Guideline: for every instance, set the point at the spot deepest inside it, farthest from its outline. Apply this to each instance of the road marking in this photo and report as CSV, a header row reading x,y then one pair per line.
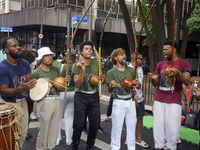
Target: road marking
x,y
98,143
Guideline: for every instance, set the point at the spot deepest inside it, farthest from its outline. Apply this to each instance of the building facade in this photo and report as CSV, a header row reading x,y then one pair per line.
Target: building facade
x,y
54,19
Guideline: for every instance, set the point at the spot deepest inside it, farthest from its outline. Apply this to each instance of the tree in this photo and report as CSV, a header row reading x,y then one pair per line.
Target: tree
x,y
128,25
193,23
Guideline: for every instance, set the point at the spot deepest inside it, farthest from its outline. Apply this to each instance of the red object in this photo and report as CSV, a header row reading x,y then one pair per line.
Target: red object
x,y
167,70
94,80
128,83
190,92
182,120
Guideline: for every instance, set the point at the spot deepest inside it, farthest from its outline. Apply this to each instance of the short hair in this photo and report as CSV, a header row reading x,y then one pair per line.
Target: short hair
x,y
27,55
81,46
4,42
169,42
21,43
134,54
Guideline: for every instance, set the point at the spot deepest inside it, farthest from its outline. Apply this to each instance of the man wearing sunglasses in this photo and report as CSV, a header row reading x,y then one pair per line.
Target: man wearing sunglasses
x,y
35,63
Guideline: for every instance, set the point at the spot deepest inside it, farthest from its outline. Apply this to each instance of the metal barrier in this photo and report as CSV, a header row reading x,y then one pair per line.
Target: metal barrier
x,y
149,93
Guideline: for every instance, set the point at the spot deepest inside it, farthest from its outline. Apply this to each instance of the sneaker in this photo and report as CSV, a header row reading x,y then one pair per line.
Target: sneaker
x,y
85,130
178,140
125,142
57,143
33,116
28,136
101,130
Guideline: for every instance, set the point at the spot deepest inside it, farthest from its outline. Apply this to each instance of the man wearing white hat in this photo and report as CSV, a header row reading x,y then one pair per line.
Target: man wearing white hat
x,y
47,109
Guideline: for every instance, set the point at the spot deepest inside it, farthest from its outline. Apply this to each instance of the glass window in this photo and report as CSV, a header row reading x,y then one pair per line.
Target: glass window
x,y
108,3
115,8
73,2
101,4
81,2
128,4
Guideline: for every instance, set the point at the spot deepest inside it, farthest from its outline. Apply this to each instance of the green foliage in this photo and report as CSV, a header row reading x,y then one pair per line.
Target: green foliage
x,y
145,9
193,23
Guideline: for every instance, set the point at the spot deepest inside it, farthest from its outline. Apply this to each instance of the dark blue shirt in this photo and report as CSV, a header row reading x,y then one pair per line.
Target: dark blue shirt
x,y
14,76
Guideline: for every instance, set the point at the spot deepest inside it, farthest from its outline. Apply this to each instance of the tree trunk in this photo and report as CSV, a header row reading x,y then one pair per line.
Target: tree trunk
x,y
185,31
150,46
158,25
128,26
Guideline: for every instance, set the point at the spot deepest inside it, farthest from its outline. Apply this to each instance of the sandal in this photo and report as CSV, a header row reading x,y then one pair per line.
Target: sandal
x,y
143,144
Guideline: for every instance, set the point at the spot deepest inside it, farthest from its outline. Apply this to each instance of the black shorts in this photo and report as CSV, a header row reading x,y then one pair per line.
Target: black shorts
x,y
140,109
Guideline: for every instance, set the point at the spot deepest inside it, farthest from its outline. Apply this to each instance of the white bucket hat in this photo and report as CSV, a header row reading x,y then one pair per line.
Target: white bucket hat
x,y
44,51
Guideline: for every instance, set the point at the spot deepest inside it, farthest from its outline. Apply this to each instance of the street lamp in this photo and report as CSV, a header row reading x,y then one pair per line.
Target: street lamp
x,y
41,26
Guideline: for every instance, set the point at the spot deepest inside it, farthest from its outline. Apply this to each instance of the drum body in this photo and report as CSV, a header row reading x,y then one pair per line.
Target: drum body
x,y
41,90
9,128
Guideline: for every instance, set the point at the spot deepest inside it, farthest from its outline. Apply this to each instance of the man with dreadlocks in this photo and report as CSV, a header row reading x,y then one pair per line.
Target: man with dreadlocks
x,y
123,105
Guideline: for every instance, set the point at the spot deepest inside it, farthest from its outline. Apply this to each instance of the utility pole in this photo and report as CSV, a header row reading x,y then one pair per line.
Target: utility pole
x,y
69,18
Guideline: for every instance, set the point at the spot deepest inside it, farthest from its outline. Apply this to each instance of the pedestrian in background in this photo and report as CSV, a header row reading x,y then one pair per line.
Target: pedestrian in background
x,y
139,99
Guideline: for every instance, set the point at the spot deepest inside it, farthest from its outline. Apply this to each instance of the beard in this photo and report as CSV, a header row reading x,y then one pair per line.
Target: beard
x,y
15,55
123,62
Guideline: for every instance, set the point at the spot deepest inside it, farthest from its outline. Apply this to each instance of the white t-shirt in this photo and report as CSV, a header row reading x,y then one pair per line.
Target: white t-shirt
x,y
138,92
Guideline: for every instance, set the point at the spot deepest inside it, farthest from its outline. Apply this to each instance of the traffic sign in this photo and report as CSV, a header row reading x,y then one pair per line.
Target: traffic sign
x,y
40,36
76,19
6,29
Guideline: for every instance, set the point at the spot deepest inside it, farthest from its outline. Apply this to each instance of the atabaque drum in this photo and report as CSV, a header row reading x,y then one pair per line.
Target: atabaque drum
x,y
9,128
41,90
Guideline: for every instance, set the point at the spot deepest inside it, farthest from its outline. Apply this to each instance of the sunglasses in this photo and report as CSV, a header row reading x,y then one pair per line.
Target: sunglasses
x,y
34,52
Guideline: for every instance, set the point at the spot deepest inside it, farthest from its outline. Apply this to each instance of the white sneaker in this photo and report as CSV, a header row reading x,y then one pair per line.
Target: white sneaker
x,y
57,142
33,116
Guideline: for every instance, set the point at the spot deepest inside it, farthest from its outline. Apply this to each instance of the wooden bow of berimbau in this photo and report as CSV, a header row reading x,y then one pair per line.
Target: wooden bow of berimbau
x,y
173,38
138,43
71,43
101,41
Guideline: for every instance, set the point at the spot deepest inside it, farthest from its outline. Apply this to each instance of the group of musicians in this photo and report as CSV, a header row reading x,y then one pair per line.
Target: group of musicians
x,y
82,97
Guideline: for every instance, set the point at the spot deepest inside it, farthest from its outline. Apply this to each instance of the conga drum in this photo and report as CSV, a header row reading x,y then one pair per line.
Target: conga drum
x,y
9,128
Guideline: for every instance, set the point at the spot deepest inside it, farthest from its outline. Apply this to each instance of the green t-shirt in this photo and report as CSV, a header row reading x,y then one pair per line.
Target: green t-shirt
x,y
52,74
119,76
92,69
56,64
63,74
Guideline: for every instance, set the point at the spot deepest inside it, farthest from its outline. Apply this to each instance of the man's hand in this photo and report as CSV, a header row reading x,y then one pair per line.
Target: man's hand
x,y
28,85
113,83
136,84
102,77
68,78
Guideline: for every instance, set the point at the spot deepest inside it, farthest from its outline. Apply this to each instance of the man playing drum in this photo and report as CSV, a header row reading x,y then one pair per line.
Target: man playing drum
x,y
15,81
123,106
86,100
48,108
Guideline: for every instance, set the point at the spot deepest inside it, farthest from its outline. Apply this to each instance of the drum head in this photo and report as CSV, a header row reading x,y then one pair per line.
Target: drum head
x,y
40,90
4,106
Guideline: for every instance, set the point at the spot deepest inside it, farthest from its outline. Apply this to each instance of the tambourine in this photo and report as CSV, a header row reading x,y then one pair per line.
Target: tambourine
x,y
41,90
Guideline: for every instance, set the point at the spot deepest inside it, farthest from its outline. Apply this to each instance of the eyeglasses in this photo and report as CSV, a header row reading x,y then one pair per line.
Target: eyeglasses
x,y
34,52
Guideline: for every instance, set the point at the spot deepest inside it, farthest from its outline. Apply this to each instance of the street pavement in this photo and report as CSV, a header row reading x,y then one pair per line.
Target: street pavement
x,y
103,139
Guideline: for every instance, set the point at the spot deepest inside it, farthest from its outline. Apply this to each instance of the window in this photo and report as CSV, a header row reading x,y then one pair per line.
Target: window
x,y
80,2
73,2
101,4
